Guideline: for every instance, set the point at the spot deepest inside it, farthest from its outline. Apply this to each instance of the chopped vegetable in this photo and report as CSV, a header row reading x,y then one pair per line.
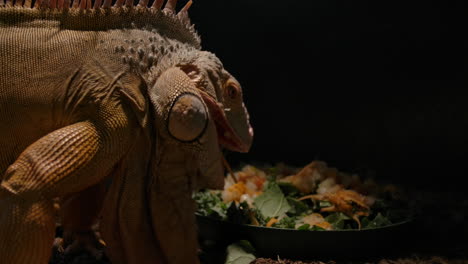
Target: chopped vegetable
x,y
234,192
314,198
238,253
349,202
316,219
271,222
286,222
272,202
210,204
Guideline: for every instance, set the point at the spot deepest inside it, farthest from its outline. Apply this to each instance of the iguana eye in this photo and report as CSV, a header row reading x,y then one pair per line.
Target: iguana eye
x,y
232,91
188,118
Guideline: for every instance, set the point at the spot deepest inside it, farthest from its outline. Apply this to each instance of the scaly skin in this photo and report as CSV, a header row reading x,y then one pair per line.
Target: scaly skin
x,y
120,93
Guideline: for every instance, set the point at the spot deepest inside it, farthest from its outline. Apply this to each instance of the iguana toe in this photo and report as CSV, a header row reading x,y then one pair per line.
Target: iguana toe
x,y
83,242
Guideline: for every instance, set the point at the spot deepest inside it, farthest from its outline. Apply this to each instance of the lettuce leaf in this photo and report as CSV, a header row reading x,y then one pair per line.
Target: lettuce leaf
x,y
378,221
286,222
272,202
337,220
238,254
297,207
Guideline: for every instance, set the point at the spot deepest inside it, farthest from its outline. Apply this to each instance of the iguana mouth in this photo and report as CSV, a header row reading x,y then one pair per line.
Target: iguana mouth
x,y
227,137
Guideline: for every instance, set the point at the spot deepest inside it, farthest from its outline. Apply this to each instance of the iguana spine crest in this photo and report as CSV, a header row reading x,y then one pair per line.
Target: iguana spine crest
x,y
82,15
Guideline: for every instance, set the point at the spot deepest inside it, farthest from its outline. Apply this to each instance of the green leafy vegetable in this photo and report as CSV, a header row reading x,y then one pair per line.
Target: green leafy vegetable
x,y
262,220
288,189
310,228
304,227
337,220
247,246
272,202
297,207
379,221
238,254
280,200
286,222
317,228
211,204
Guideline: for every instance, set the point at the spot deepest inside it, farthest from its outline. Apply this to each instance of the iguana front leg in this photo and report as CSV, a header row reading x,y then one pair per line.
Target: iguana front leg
x,y
65,161
125,223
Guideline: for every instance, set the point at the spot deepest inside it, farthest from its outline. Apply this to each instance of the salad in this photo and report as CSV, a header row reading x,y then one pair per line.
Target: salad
x,y
315,197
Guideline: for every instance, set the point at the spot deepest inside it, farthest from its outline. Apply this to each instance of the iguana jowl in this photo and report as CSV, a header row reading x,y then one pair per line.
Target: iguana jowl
x,y
89,93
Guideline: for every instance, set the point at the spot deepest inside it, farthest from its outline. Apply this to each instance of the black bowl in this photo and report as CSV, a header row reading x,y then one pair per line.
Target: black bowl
x,y
302,244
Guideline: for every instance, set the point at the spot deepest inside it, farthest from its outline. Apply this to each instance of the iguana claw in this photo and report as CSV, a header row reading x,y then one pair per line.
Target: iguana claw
x,y
84,242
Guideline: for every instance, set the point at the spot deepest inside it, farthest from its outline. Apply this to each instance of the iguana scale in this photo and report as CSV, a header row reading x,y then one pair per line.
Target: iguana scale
x,y
106,91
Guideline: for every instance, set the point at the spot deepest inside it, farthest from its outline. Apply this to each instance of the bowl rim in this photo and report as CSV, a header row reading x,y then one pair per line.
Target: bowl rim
x,y
393,225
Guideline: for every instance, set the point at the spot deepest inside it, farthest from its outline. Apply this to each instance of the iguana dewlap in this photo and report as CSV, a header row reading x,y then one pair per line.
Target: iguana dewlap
x,y
116,92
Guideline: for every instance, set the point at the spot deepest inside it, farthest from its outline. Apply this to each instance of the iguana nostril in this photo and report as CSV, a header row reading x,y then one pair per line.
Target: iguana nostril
x,y
187,118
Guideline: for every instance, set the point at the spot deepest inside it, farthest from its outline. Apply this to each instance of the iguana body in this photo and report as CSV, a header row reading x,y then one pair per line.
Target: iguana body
x,y
88,94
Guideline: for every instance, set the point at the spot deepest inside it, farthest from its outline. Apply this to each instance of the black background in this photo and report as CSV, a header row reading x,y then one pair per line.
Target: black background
x,y
367,86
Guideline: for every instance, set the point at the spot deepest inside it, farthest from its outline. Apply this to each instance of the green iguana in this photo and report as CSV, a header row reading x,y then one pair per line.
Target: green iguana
x,y
109,91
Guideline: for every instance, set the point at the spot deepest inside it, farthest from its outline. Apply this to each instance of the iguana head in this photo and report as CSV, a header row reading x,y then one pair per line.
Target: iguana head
x,y
202,110
222,94
198,105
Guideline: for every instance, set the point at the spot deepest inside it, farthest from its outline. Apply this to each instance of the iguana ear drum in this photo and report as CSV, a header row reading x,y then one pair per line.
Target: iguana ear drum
x,y
188,118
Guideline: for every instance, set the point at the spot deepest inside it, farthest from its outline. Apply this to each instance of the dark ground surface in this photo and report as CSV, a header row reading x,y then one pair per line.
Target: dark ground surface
x,y
440,237
409,260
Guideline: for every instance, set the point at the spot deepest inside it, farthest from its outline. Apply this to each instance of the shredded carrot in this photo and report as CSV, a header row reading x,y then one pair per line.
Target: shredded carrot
x,y
325,225
271,222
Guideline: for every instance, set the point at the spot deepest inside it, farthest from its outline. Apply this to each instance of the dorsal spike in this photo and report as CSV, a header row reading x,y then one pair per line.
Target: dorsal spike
x,y
183,14
107,3
184,17
97,4
27,3
53,4
170,6
129,3
119,3
171,24
157,4
143,3
45,4
66,4
60,4
186,6
37,3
